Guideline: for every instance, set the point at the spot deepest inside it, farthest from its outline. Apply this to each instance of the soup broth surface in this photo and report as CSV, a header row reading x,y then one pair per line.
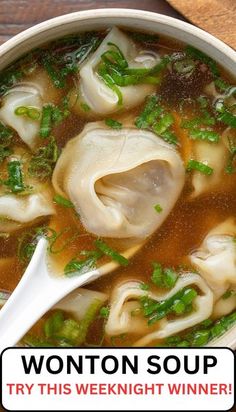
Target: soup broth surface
x,y
192,92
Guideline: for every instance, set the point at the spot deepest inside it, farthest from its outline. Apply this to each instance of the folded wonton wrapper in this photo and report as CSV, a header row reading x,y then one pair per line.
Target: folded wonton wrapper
x,y
214,155
216,260
125,299
114,178
17,210
34,92
96,94
78,302
22,95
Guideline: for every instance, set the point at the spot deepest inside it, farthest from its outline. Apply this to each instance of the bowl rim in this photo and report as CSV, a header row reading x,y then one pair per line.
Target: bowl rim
x,y
94,14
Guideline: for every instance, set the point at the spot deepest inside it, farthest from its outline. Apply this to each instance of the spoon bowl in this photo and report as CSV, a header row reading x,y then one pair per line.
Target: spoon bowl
x,y
39,290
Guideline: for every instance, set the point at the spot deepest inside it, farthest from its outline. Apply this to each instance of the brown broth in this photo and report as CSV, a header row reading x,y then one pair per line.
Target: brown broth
x,y
181,233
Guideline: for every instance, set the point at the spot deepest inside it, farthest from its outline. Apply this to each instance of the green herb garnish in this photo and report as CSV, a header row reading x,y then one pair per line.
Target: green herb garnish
x,y
178,304
228,294
115,72
62,201
46,121
43,161
113,254
207,135
200,167
164,277
199,55
85,107
221,84
155,118
114,124
15,181
203,333
104,312
31,112
231,168
78,267
144,286
158,208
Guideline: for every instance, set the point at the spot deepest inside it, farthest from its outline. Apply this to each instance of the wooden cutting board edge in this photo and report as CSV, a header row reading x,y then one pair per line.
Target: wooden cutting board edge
x,y
214,16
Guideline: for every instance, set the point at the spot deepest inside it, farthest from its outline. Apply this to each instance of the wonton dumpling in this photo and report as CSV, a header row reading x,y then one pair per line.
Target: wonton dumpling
x,y
22,95
96,94
216,258
79,301
125,299
114,178
224,306
215,156
17,209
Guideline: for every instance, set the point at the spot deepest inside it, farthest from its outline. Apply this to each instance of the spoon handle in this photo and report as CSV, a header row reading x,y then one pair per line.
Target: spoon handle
x,y
26,302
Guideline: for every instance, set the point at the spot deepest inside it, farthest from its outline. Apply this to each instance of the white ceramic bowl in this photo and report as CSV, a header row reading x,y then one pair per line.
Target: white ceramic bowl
x,y
134,19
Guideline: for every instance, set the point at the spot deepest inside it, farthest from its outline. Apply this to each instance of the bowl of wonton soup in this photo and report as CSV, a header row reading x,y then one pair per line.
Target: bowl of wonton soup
x,y
143,22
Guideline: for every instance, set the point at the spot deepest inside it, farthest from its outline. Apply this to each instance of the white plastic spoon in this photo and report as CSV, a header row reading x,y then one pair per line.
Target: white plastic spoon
x,y
38,290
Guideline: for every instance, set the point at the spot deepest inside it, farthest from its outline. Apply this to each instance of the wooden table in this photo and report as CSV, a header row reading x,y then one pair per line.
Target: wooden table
x,y
18,15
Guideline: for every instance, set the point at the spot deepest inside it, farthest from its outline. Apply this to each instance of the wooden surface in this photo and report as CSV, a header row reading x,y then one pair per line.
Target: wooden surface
x,y
17,15
218,17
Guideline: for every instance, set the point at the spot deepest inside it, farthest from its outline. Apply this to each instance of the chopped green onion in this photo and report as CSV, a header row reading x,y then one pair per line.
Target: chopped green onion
x,y
188,296
114,124
203,102
200,338
85,107
203,333
21,110
185,66
158,310
143,121
158,208
228,294
144,286
15,177
199,55
43,161
87,321
108,80
179,307
221,84
53,324
62,201
78,267
6,134
163,277
4,153
169,137
46,121
113,254
27,243
207,135
183,344
53,72
199,166
104,312
230,168
69,331
163,124
154,117
227,118
31,112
